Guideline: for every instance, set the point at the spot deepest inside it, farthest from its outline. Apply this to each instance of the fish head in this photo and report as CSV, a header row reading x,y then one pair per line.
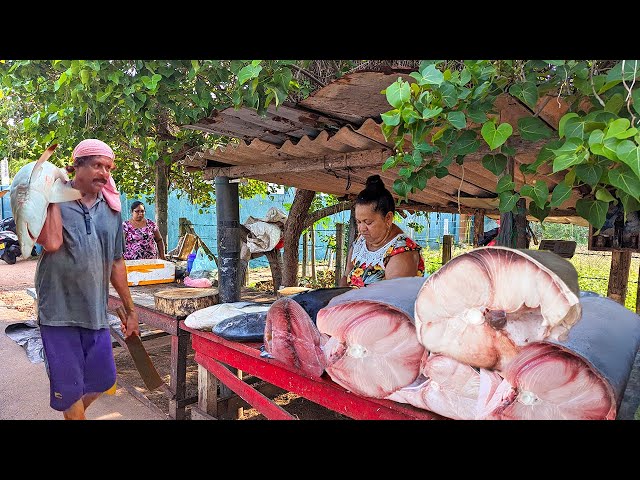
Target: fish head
x,y
34,186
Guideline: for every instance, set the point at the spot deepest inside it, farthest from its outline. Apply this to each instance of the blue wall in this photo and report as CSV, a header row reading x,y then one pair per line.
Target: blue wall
x,y
5,205
205,223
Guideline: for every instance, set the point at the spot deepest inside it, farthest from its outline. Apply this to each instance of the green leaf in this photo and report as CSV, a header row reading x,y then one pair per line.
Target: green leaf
x,y
389,163
624,179
557,63
596,137
589,173
449,96
428,113
571,146
409,115
457,119
629,203
565,118
539,213
431,76
614,104
398,93
507,150
628,134
414,159
609,148
527,92
616,127
495,136
391,118
541,192
401,187
466,143
636,99
495,163
476,115
561,193
508,201
532,128
604,195
425,148
631,71
575,128
594,211
249,72
537,193
505,183
629,153
441,171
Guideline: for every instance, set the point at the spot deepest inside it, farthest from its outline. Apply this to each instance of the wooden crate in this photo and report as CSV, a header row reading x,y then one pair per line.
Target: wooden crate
x,y
564,248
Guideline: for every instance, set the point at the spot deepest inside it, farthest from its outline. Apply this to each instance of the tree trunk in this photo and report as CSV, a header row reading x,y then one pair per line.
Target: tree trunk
x,y
313,254
275,263
292,229
162,198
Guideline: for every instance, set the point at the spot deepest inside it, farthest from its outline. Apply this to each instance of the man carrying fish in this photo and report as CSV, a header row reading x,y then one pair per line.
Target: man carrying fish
x,y
83,243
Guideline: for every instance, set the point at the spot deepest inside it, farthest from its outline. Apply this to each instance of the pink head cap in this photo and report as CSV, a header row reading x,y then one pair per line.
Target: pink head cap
x,y
92,146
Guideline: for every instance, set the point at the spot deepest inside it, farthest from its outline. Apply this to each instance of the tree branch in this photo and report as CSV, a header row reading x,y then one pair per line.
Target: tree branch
x,y
313,217
309,74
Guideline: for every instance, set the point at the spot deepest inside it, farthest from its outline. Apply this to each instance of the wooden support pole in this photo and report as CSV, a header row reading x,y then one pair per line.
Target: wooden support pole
x,y
447,246
462,227
619,275
305,254
638,294
313,253
228,223
520,224
339,247
478,226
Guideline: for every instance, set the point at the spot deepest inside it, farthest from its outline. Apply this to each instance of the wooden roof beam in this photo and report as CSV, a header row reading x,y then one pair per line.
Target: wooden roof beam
x,y
368,158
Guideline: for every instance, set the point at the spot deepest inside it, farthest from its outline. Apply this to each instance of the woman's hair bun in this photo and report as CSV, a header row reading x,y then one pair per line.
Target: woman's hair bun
x,y
374,182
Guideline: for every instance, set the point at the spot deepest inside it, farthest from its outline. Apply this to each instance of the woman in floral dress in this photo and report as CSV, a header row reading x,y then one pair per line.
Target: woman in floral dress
x,y
142,237
382,250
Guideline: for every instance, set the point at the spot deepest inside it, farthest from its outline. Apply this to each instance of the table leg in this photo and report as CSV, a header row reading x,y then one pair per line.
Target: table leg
x,y
179,345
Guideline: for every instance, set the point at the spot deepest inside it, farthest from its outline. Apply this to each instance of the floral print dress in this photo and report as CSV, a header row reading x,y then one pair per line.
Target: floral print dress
x,y
368,267
139,242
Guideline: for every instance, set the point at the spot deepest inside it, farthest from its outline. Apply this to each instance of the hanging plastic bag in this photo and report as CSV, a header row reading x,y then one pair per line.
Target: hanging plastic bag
x,y
203,266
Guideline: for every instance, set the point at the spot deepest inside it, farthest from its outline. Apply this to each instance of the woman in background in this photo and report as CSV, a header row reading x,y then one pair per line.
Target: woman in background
x,y
382,250
141,236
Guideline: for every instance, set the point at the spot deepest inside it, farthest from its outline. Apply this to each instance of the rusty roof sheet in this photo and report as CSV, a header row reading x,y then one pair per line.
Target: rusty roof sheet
x,y
342,120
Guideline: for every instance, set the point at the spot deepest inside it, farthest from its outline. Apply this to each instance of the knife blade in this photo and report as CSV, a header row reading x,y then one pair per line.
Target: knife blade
x,y
141,359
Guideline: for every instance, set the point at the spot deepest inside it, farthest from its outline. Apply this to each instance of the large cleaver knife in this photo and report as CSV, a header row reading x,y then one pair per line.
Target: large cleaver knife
x,y
140,357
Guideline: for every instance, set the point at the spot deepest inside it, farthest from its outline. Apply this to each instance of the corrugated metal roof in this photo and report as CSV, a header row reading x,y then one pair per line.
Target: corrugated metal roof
x,y
339,122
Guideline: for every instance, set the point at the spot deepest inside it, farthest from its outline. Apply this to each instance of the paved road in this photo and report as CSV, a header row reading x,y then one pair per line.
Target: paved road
x,y
24,386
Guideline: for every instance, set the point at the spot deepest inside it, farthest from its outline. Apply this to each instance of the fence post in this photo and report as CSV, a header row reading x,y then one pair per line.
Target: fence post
x,y
339,247
619,275
447,244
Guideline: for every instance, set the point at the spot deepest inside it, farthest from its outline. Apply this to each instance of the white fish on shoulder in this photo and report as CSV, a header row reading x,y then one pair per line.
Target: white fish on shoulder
x,y
35,186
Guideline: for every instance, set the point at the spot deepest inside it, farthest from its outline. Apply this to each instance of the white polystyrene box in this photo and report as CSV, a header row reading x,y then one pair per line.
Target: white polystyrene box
x,y
150,271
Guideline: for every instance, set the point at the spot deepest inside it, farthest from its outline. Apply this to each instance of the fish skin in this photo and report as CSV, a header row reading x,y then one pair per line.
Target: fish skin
x,y
247,327
313,300
34,187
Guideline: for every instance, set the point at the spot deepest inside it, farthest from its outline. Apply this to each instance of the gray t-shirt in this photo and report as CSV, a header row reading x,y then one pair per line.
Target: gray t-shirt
x,y
72,283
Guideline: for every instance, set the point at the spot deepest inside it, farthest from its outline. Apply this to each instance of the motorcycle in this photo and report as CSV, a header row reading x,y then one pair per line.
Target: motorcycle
x,y
9,243
9,246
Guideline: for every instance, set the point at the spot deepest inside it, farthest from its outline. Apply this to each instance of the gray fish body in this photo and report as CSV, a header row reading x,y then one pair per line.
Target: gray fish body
x,y
247,327
313,300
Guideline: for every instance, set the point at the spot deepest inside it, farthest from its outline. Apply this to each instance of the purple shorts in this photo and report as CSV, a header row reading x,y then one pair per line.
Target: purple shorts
x,y
79,361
